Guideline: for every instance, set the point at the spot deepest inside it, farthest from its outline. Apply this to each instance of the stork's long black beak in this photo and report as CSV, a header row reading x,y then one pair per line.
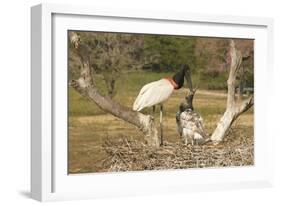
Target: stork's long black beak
x,y
189,97
187,76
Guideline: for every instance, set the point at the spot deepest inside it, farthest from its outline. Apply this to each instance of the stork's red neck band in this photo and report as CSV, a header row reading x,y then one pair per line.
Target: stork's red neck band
x,y
173,83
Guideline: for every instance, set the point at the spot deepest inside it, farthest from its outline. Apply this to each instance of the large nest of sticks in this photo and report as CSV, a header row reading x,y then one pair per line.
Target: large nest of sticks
x,y
133,155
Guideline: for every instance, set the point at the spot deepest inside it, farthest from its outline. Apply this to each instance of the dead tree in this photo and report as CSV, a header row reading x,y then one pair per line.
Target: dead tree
x,y
234,108
86,86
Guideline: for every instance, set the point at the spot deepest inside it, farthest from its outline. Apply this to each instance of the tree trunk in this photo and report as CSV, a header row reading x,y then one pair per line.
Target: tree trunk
x,y
234,108
86,86
241,83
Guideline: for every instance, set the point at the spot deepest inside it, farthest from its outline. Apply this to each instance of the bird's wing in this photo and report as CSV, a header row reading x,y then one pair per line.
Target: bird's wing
x,y
143,90
152,94
192,120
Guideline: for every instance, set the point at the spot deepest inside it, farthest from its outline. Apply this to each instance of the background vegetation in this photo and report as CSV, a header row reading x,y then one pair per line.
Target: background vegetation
x,y
114,54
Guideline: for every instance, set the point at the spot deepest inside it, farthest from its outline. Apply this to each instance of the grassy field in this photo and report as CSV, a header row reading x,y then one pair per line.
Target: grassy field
x,y
89,127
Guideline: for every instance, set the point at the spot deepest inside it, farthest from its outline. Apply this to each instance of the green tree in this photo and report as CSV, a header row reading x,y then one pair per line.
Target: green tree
x,y
169,52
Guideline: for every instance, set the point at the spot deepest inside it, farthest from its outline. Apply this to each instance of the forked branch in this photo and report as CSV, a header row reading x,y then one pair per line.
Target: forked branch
x,y
86,86
234,108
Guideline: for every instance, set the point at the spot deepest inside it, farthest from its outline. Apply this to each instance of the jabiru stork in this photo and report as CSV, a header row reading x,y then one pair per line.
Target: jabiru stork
x,y
158,92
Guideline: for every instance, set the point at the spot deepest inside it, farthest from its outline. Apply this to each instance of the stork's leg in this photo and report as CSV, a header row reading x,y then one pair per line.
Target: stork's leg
x,y
153,110
161,125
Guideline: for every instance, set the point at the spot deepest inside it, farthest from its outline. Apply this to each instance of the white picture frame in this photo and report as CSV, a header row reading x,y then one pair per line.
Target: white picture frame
x,y
49,178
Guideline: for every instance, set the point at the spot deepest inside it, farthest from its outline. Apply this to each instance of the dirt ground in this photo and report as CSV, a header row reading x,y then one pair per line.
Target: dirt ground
x,y
104,143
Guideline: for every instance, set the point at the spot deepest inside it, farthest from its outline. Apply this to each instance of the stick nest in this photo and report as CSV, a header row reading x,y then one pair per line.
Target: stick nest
x,y
132,155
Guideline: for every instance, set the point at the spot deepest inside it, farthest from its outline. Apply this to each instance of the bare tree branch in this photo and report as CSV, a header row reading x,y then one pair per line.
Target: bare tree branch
x,y
86,86
234,108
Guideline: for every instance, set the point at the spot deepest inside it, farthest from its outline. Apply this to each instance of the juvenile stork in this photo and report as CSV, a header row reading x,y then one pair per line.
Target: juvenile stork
x,y
158,92
190,126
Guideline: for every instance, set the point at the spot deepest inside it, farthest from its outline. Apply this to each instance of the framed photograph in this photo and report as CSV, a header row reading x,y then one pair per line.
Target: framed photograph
x,y
137,102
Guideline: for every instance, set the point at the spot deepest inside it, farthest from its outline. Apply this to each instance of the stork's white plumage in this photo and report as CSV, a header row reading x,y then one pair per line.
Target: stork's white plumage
x,y
153,93
158,92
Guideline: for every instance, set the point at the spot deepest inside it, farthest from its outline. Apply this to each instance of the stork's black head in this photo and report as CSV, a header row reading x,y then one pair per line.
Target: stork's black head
x,y
179,76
